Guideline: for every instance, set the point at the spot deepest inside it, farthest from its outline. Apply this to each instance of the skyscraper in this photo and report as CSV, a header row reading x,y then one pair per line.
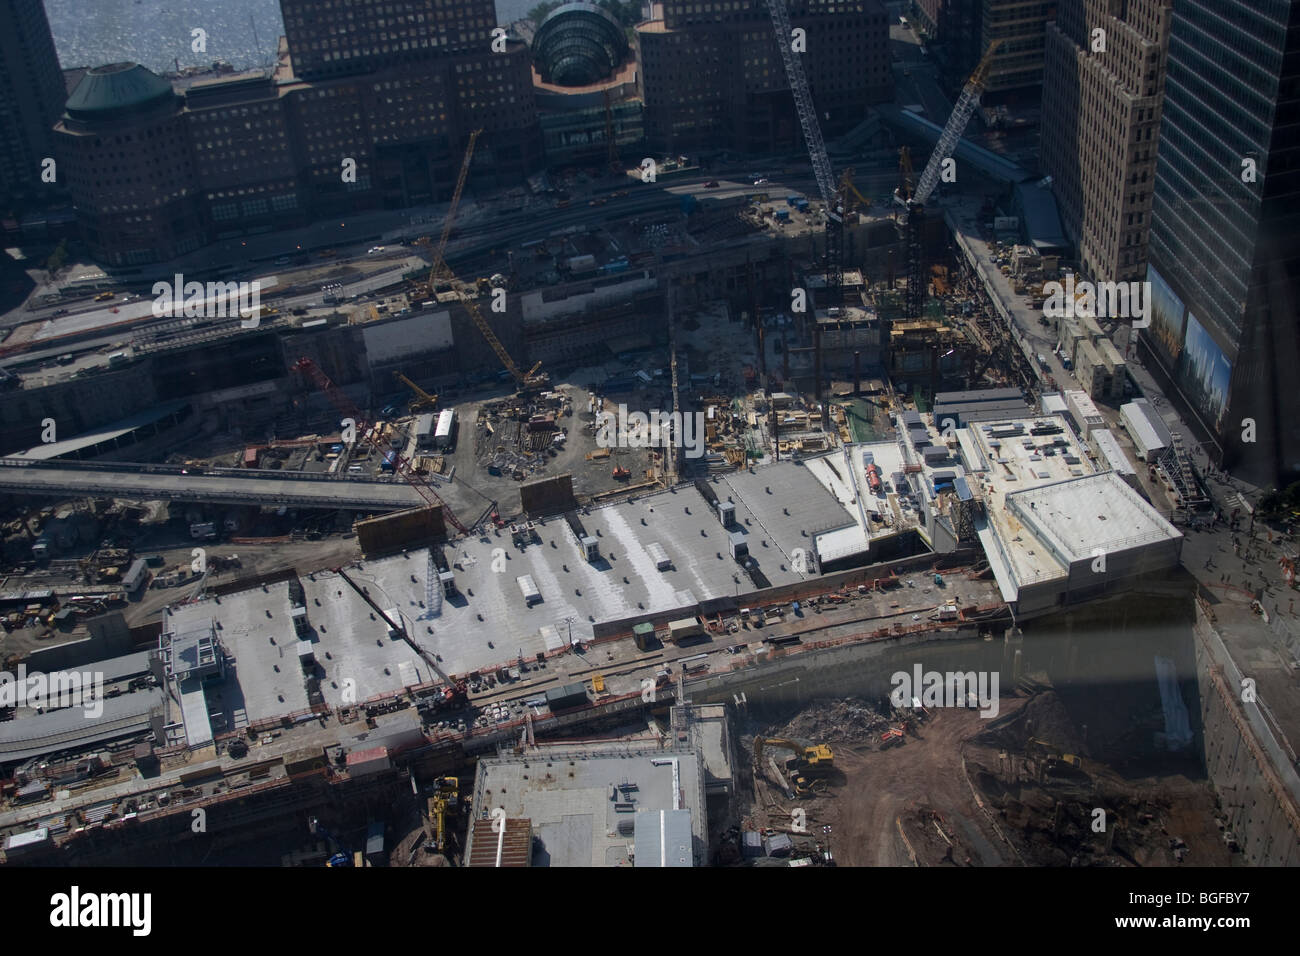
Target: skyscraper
x,y
32,94
1224,256
713,76
1101,118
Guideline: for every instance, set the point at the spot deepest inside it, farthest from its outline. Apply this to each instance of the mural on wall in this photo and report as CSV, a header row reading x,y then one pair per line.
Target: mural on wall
x,y
1204,373
1167,322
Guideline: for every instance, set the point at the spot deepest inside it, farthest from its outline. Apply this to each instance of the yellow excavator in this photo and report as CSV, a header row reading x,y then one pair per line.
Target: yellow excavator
x,y
443,804
1052,760
805,768
423,401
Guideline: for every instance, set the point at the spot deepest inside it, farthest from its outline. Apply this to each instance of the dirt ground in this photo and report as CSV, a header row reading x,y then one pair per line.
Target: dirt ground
x,y
916,805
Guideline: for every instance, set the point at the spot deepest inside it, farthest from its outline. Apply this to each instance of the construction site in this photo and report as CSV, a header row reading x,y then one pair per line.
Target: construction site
x,y
608,555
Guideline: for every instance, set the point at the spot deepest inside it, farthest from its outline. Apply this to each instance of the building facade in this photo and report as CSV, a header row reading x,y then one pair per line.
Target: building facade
x,y
1021,26
371,107
1101,117
713,77
1224,261
32,94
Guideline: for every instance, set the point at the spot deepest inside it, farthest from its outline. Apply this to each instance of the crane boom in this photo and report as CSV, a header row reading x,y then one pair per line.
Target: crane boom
x,y
832,196
438,263
961,114
812,131
401,466
520,376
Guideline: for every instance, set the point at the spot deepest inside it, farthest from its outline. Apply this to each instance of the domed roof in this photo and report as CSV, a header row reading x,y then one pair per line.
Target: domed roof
x,y
117,90
578,44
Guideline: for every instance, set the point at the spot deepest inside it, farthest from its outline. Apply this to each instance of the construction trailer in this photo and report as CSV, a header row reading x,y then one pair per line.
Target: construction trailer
x,y
528,587
444,435
685,629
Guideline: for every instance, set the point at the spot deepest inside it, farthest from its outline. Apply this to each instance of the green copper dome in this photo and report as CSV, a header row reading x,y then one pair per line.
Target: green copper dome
x,y
117,90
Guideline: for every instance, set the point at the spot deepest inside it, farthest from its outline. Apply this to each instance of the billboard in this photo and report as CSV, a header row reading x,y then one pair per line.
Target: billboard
x,y
1167,319
1204,373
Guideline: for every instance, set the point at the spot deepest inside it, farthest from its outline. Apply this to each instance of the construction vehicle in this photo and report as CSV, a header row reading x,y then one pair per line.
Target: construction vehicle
x,y
891,738
423,401
808,761
913,200
340,857
1051,760
444,803
400,464
621,473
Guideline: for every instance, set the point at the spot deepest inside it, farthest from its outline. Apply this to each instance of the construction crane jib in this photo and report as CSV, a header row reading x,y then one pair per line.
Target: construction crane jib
x,y
798,80
961,114
439,267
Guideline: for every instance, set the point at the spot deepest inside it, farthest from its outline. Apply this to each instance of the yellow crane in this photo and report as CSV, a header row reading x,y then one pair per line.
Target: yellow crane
x,y
423,401
531,380
847,187
438,269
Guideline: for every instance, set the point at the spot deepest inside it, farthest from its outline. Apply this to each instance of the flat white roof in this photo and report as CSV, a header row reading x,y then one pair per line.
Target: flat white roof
x,y
1098,512
1147,429
1112,454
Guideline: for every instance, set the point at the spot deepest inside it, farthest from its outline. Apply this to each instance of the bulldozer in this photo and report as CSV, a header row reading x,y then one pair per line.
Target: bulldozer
x,y
805,769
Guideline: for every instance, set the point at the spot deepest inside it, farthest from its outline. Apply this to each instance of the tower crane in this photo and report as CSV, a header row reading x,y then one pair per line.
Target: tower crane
x,y
400,465
913,200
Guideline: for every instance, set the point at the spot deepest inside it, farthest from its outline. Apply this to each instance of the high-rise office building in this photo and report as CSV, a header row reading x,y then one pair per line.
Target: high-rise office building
x,y
402,84
712,75
32,94
1020,25
346,37
1224,260
1102,86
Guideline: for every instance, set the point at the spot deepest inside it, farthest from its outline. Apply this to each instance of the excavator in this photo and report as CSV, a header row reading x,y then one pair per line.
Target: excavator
x,y
423,401
1052,761
806,766
443,804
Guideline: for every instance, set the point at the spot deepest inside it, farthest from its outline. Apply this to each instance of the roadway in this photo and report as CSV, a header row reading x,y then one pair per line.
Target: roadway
x,y
221,486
